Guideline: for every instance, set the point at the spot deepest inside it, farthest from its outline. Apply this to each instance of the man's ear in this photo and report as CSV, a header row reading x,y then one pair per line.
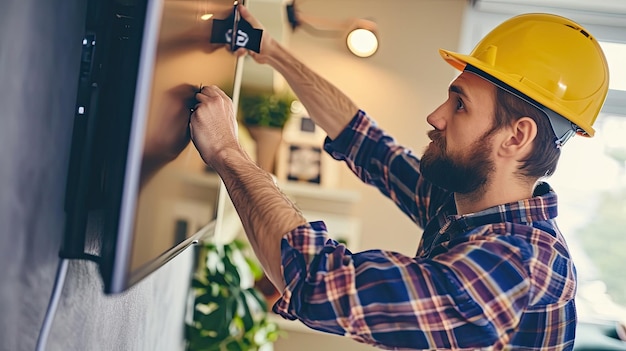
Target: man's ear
x,y
520,138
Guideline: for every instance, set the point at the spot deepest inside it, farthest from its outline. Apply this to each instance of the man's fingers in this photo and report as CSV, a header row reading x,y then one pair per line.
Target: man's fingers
x,y
241,52
248,17
214,91
208,93
200,97
210,90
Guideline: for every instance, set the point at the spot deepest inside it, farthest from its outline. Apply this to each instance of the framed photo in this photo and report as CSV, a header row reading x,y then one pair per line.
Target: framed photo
x,y
301,157
304,163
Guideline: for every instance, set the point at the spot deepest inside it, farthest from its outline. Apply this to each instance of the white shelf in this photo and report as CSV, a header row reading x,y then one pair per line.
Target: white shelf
x,y
333,206
293,189
318,192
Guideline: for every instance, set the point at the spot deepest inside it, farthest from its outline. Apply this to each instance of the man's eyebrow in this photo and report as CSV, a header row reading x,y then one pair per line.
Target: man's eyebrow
x,y
457,89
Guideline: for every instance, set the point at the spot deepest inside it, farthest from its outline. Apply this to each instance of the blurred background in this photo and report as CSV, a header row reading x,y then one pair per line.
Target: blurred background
x,y
399,85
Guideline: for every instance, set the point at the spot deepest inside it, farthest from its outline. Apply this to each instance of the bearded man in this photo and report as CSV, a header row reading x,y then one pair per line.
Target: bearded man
x,y
492,270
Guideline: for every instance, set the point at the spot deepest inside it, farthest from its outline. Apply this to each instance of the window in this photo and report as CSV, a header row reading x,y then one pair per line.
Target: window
x,y
591,184
616,56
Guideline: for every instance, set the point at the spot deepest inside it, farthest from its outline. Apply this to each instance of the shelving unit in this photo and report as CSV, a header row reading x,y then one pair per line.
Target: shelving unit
x,y
333,206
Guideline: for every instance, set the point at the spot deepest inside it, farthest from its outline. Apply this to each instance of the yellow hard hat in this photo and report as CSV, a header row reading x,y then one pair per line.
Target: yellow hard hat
x,y
548,58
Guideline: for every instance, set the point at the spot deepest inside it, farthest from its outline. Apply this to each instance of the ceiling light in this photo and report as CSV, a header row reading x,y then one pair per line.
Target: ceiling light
x,y
206,16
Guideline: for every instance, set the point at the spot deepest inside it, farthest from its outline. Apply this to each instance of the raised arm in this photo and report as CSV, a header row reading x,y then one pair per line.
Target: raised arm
x,y
265,212
328,106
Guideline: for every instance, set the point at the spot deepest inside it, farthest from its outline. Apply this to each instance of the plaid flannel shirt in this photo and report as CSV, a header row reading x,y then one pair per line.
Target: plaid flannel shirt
x,y
499,279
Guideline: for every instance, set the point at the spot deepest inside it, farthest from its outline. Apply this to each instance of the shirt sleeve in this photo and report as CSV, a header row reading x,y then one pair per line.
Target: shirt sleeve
x,y
377,159
467,297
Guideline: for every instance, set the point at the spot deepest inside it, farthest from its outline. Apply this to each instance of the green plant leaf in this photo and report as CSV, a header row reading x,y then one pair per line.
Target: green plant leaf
x,y
210,296
197,340
199,282
266,109
226,316
256,294
257,270
234,345
216,322
244,312
231,274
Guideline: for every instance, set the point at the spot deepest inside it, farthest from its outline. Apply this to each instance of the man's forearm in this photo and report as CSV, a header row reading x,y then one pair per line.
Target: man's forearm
x,y
328,106
265,212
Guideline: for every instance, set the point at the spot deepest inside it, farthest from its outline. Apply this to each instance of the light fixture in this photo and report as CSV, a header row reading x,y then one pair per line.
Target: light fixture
x,y
361,39
206,16
362,42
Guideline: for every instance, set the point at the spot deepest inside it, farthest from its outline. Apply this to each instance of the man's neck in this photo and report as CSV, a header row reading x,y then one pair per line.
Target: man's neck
x,y
495,192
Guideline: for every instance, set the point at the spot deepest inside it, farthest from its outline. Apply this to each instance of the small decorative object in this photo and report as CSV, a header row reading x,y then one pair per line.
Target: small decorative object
x,y
304,163
301,157
307,125
229,313
265,115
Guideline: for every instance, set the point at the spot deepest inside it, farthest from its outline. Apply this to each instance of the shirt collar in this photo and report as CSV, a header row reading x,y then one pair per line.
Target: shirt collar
x,y
541,207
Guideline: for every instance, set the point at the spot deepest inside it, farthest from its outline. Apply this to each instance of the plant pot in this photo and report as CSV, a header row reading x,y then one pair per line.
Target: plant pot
x,y
267,142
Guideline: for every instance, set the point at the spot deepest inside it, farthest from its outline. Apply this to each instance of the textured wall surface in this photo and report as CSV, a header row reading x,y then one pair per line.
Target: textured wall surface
x,y
39,55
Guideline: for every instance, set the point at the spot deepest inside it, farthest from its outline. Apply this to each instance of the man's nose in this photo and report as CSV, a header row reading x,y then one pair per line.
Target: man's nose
x,y
437,118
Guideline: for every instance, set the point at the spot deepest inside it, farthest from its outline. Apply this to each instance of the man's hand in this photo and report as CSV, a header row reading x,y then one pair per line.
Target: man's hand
x,y
266,214
328,106
268,44
213,124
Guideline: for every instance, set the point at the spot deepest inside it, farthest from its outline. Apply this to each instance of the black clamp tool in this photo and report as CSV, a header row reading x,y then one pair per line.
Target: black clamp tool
x,y
246,36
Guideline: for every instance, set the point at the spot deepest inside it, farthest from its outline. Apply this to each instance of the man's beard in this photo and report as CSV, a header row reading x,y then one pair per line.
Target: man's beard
x,y
465,172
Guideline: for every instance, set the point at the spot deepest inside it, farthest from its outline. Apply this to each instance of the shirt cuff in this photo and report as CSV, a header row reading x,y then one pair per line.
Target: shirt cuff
x,y
298,250
340,147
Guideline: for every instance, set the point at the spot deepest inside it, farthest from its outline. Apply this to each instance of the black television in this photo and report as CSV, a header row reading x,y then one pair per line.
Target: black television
x,y
138,192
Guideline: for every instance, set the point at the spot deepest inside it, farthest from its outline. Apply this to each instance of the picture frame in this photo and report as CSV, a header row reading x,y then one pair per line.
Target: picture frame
x,y
301,157
304,163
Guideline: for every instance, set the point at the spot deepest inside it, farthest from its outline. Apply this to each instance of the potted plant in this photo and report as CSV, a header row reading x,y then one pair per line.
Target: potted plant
x,y
228,312
264,115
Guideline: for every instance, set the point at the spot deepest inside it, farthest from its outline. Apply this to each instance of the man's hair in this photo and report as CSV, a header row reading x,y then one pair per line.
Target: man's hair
x,y
545,155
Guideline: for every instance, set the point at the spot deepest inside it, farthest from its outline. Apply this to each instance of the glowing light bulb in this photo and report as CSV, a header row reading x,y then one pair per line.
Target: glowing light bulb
x,y
362,42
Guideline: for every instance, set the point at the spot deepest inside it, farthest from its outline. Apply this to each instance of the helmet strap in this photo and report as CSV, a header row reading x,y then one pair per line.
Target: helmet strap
x,y
563,128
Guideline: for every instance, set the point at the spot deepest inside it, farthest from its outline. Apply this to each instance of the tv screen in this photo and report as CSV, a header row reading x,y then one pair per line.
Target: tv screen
x,y
151,191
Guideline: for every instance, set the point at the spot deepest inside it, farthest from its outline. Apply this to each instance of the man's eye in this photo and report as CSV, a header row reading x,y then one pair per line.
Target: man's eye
x,y
459,104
